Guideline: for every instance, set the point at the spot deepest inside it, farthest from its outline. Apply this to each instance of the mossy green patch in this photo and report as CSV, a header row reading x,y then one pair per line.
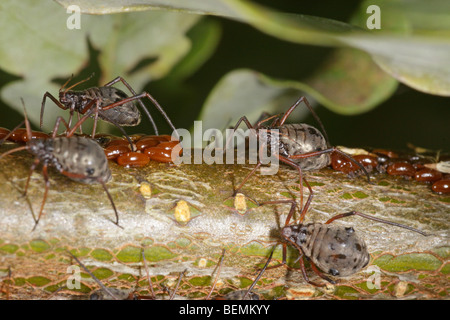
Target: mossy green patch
x,y
128,277
360,195
445,199
183,242
38,281
101,255
200,281
158,253
19,281
244,282
39,245
147,242
9,248
130,254
346,292
416,261
347,196
443,252
102,273
50,256
254,248
446,269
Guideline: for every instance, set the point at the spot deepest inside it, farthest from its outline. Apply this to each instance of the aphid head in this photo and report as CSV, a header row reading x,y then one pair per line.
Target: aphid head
x,y
295,233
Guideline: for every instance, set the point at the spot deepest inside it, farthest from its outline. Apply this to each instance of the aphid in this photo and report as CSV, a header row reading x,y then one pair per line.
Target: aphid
x,y
299,145
109,104
334,249
80,159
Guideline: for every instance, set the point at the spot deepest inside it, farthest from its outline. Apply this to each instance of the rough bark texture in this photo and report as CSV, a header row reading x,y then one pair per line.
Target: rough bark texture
x,y
79,218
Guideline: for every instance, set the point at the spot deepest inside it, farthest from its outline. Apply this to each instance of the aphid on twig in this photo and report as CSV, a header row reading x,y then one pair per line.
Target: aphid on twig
x,y
334,249
109,104
80,159
299,145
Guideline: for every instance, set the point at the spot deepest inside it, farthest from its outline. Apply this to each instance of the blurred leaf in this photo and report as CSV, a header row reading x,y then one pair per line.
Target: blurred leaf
x,y
419,58
41,48
348,82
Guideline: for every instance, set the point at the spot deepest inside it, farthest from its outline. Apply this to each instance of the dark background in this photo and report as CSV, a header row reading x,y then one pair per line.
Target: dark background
x,y
408,116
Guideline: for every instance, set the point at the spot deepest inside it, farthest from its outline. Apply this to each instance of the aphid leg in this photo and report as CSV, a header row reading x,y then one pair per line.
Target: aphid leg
x,y
150,283
316,117
56,101
47,185
219,268
94,277
259,275
33,166
172,295
119,78
249,125
9,133
301,179
351,213
329,150
320,274
153,100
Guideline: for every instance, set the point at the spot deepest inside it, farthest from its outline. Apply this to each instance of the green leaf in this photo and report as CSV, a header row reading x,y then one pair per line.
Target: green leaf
x,y
40,48
412,46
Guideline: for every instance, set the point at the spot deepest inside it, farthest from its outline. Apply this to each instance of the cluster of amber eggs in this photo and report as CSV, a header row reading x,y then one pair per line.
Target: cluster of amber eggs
x,y
138,154
162,148
422,168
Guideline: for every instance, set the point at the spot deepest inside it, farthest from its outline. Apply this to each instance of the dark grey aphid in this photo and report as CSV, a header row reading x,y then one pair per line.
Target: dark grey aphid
x,y
78,158
107,103
81,158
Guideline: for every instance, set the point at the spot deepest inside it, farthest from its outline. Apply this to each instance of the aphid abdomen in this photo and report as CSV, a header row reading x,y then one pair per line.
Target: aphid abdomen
x,y
82,156
126,114
336,250
301,138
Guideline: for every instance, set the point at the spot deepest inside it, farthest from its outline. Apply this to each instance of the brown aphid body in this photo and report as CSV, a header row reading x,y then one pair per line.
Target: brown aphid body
x,y
301,138
334,249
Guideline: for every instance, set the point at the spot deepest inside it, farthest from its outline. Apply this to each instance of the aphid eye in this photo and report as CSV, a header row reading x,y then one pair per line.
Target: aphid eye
x,y
90,171
350,230
333,272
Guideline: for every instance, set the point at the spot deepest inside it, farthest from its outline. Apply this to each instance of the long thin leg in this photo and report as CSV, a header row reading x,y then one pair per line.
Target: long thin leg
x,y
47,184
56,101
139,96
320,274
219,268
150,283
351,213
259,275
329,150
94,277
119,78
316,117
33,166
